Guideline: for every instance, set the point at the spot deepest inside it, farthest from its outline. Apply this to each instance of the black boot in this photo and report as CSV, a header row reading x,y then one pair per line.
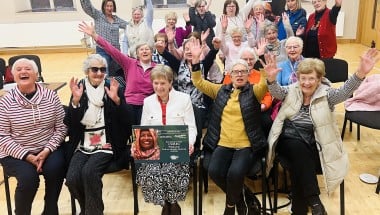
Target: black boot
x,y
229,211
166,209
318,209
241,206
175,209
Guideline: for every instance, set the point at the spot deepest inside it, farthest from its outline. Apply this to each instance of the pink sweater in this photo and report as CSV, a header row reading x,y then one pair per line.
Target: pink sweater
x,y
138,81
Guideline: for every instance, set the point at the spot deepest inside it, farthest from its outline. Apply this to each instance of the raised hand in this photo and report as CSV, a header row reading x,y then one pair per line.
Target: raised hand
x,y
261,45
88,29
217,43
112,90
76,90
285,18
205,34
196,51
300,30
224,22
367,62
170,33
270,67
186,17
248,23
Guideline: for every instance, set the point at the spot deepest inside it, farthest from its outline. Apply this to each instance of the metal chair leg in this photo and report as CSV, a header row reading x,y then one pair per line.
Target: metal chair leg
x,y
342,198
134,187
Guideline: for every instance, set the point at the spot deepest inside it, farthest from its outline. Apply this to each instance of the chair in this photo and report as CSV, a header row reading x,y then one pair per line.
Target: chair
x,y
285,164
2,71
336,70
35,58
378,186
370,119
260,167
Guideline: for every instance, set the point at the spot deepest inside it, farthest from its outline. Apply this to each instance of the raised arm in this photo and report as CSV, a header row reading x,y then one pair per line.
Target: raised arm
x,y
149,14
89,9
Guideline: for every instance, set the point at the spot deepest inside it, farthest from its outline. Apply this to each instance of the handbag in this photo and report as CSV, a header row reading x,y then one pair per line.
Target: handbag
x,y
302,132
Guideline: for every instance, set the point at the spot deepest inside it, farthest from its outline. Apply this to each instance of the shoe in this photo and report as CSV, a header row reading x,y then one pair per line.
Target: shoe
x,y
229,211
166,209
318,209
241,207
253,204
175,209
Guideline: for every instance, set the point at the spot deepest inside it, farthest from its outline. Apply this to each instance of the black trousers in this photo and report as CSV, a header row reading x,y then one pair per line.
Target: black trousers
x,y
28,181
227,169
304,164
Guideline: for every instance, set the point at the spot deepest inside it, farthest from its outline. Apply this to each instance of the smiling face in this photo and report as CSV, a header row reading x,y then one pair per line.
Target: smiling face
x,y
144,53
309,83
25,75
293,50
108,8
146,140
239,75
231,9
249,58
171,21
162,87
319,5
96,72
137,15
271,36
258,10
292,5
236,38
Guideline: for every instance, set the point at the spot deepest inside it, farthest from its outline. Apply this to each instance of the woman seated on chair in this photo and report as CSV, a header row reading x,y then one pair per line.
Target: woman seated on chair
x,y
31,132
235,138
99,128
166,183
304,131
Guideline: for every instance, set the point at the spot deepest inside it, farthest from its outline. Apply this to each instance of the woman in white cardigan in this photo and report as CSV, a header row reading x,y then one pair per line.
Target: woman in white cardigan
x,y
166,183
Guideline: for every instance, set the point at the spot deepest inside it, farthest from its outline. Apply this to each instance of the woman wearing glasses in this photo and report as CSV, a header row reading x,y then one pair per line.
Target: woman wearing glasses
x,y
305,131
234,140
99,127
320,35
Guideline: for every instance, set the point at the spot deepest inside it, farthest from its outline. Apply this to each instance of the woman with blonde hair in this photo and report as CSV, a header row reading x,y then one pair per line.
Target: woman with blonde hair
x,y
180,33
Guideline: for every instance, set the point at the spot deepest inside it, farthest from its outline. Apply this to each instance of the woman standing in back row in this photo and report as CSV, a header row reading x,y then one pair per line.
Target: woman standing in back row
x,y
107,24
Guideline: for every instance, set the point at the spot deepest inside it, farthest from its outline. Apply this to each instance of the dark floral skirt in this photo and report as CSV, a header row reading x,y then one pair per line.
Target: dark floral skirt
x,y
162,182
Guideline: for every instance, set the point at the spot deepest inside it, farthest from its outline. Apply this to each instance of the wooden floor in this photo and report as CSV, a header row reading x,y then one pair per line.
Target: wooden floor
x,y
364,157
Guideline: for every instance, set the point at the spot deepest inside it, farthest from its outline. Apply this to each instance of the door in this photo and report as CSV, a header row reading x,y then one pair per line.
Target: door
x,y
370,22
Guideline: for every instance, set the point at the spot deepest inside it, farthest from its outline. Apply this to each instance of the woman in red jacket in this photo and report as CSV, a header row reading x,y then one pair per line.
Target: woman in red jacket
x,y
320,36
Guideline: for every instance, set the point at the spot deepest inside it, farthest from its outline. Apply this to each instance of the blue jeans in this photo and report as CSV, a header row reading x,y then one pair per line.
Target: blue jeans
x,y
227,169
106,56
28,180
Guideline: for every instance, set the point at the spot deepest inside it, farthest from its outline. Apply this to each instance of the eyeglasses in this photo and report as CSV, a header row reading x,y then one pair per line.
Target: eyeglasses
x,y
292,47
239,72
96,69
310,80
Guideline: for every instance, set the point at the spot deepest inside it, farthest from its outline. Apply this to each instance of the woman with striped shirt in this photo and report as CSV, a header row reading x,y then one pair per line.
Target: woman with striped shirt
x,y
31,132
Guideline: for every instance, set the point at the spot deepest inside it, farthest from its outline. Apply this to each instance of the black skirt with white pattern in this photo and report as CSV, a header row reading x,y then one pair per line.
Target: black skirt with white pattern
x,y
162,182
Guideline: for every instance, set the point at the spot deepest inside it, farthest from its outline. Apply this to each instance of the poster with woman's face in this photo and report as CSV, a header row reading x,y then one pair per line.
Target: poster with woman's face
x,y
168,143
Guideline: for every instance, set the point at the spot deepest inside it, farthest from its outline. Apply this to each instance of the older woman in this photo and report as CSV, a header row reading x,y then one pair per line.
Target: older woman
x,y
136,71
106,23
293,48
166,183
235,16
304,131
202,19
274,45
31,132
139,29
179,32
320,35
99,125
297,18
234,139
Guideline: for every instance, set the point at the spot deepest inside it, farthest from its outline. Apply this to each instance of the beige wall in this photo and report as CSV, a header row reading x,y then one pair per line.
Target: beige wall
x,y
48,26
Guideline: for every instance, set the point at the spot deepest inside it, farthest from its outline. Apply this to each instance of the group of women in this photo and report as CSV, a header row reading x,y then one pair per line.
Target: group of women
x,y
102,109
